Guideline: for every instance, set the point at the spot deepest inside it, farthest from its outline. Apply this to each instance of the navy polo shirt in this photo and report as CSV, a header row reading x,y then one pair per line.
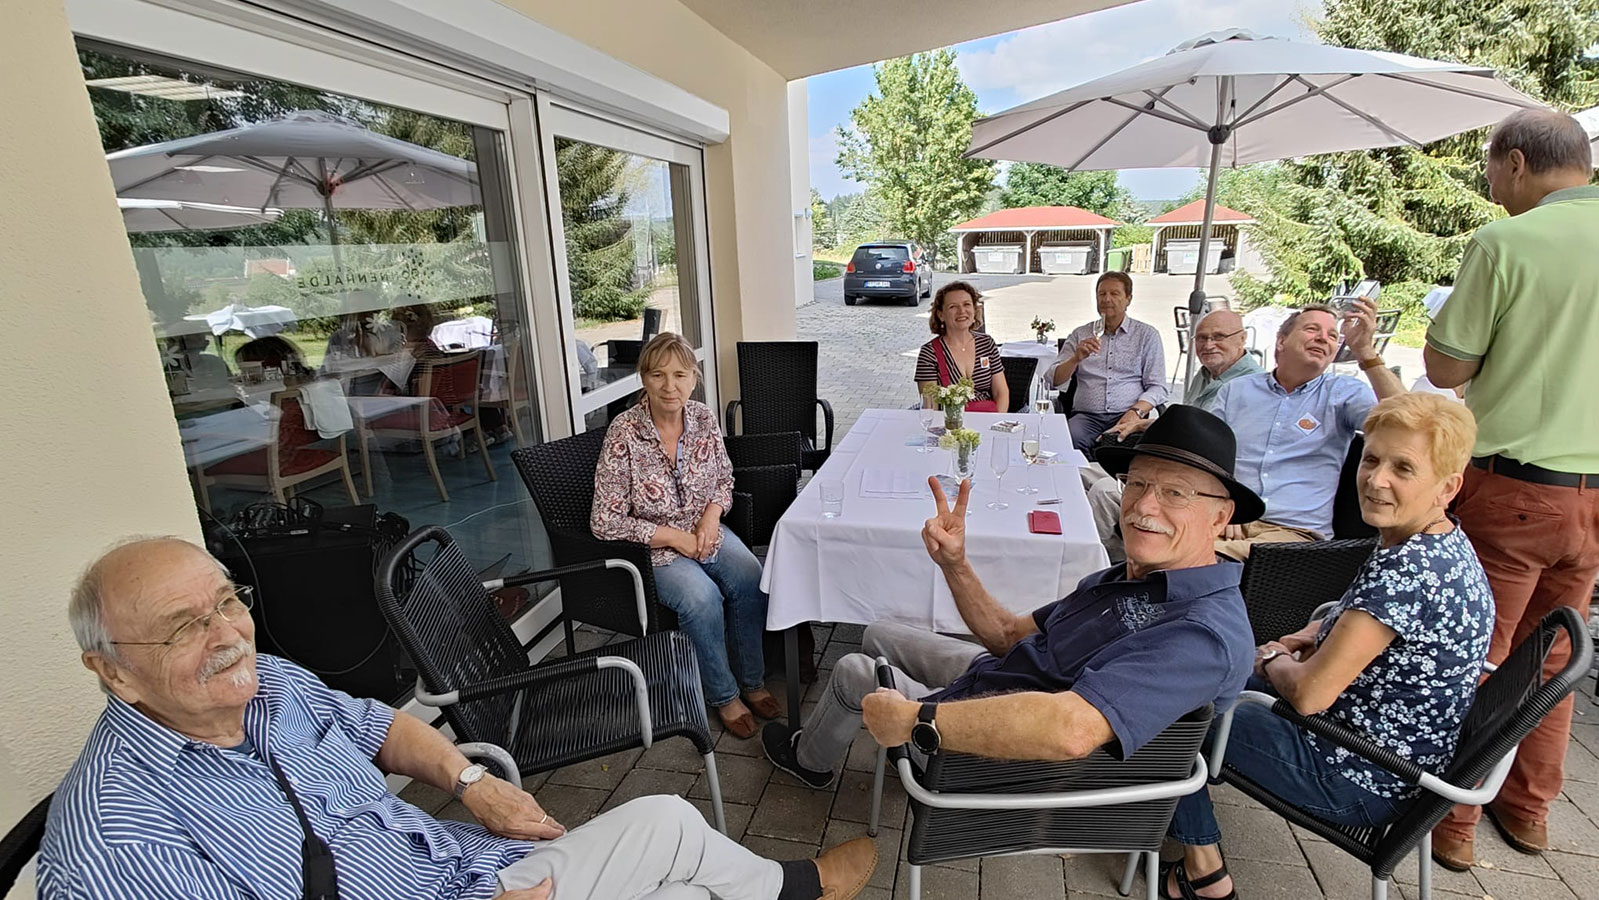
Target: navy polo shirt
x,y
1143,652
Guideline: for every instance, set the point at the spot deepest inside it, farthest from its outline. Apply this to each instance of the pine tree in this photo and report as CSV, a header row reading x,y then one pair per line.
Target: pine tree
x,y
599,245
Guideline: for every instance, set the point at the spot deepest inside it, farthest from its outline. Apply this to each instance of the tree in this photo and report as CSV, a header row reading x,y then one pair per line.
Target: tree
x,y
1403,215
1038,184
905,143
599,238
823,234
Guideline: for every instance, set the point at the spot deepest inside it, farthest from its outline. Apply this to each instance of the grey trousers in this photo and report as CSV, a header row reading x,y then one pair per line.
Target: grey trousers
x,y
1105,501
657,847
922,661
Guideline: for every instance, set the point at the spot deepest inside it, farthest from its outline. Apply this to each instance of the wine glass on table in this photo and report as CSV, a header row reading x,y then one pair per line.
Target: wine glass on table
x,y
929,418
1030,454
1042,404
999,461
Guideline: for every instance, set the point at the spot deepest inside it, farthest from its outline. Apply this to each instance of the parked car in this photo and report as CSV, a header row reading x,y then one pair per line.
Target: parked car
x,y
892,269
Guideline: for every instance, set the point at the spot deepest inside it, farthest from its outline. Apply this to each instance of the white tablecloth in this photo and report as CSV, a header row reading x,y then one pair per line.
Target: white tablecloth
x,y
1034,349
870,563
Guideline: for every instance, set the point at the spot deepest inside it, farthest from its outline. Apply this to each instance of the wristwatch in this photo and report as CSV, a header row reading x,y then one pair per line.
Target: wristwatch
x,y
469,776
924,734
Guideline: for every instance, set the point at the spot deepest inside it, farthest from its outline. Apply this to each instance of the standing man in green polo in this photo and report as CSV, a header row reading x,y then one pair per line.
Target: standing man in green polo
x,y
1522,326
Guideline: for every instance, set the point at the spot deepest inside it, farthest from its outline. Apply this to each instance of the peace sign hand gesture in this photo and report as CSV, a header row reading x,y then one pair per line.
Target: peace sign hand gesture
x,y
945,533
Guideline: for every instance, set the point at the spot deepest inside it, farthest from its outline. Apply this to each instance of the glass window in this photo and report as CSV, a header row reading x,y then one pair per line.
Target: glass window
x,y
334,297
628,245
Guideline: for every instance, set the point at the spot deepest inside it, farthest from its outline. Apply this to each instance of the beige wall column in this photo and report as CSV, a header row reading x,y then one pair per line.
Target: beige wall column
x,y
91,450
748,190
799,176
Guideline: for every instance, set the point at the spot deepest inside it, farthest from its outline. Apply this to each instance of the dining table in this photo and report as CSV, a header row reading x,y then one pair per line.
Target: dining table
x,y
868,563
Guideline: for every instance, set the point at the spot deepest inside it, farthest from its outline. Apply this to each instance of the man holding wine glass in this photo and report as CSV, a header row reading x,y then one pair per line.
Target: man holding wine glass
x,y
1119,364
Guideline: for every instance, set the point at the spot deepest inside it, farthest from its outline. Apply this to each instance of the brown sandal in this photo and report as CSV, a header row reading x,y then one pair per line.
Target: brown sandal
x,y
766,707
741,726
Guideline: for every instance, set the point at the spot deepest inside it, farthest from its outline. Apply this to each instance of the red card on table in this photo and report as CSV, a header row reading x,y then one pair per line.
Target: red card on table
x,y
1042,521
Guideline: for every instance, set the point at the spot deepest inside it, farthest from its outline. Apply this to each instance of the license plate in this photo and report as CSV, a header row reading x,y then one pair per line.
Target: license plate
x,y
872,284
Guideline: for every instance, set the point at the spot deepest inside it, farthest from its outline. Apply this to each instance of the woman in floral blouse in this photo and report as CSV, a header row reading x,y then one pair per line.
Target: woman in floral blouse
x,y
664,480
1396,660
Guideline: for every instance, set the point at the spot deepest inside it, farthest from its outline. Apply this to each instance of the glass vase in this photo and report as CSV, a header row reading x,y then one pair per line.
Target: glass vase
x,y
954,415
963,463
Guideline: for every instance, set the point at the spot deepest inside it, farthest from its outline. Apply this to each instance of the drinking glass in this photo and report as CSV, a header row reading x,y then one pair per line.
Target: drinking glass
x,y
1029,453
929,414
832,490
999,461
1043,402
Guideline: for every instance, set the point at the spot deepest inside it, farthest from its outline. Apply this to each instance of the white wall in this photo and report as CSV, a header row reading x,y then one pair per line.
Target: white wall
x,y
90,450
799,175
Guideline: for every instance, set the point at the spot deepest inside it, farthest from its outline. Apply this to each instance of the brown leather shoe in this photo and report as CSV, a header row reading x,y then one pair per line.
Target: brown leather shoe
x,y
845,869
1522,834
766,707
739,726
1454,854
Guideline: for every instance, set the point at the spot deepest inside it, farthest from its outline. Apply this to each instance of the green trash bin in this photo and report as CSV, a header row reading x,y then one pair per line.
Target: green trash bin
x,y
1118,259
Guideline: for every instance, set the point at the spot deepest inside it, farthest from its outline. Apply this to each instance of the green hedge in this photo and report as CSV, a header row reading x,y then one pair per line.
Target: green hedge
x,y
821,271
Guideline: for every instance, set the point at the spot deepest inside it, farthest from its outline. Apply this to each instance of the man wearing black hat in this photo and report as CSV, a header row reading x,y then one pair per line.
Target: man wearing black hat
x,y
1131,650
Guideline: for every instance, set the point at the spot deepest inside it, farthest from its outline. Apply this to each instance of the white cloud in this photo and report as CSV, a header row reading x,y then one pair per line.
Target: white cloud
x,y
1037,61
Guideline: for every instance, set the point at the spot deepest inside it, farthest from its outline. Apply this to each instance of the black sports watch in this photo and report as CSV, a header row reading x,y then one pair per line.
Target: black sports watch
x,y
924,734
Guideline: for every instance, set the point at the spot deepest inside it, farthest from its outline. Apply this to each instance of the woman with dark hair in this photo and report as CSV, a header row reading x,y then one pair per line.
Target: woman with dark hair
x,y
960,351
273,352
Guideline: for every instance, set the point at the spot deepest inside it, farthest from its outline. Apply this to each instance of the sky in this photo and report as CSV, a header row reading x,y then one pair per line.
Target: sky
x,y
1024,65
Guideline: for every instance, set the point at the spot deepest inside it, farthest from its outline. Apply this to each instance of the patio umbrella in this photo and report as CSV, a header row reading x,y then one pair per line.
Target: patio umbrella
x,y
1589,120
141,216
303,160
1232,98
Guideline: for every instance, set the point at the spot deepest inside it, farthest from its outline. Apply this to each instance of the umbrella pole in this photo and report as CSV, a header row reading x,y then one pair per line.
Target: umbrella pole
x,y
1196,300
333,231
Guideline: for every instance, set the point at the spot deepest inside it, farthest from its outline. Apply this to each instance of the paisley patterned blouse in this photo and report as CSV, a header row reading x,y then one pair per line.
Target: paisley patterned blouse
x,y
1412,698
636,488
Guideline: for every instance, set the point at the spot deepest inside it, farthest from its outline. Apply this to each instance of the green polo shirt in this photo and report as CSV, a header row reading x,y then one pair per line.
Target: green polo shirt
x,y
1526,303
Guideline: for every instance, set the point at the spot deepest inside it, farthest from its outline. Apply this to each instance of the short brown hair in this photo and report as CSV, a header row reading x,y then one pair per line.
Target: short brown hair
x,y
1448,426
1113,275
1288,323
1549,140
666,347
935,315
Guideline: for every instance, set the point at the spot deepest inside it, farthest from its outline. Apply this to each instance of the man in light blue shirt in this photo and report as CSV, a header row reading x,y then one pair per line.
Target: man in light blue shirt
x,y
210,764
1295,422
1121,374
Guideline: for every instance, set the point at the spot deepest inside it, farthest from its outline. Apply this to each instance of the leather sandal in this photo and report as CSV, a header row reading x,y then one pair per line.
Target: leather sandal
x,y
767,707
741,726
1186,889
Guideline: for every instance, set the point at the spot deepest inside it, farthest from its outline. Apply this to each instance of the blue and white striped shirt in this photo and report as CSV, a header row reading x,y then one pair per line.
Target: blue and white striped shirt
x,y
1130,366
145,812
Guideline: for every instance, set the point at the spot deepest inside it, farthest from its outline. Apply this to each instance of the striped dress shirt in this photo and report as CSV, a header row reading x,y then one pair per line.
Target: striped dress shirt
x,y
146,812
1130,366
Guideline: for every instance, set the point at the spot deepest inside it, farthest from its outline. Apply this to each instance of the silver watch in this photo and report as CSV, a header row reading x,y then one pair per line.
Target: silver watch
x,y
469,776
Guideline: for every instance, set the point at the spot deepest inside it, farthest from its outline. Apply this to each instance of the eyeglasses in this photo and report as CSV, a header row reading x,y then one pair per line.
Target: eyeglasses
x,y
1167,495
1211,338
231,607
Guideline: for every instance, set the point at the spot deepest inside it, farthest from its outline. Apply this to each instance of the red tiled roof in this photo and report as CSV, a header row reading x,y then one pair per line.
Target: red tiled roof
x,y
1194,214
1030,217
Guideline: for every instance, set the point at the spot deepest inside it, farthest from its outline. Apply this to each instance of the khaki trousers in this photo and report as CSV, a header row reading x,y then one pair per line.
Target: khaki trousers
x,y
1263,533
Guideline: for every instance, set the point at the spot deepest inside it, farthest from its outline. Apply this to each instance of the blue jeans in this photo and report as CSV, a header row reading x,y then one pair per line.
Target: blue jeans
x,y
722,609
1086,427
1275,754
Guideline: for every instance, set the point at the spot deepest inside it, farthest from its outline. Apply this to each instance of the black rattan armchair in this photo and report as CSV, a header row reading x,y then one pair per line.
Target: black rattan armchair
x,y
766,467
21,843
968,806
554,714
1509,704
777,391
1284,583
1019,374
1347,521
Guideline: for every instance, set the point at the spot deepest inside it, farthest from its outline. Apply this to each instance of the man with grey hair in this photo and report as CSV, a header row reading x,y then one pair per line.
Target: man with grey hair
x,y
215,772
1521,326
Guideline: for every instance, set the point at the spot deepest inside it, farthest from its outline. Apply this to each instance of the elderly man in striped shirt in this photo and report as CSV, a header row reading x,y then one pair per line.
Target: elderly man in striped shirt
x,y
218,773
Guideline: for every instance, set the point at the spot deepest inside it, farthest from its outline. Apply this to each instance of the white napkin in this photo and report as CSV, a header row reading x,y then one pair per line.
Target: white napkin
x,y
325,407
891,482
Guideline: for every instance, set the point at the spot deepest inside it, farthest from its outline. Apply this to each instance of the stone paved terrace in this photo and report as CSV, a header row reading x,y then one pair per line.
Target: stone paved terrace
x,y
770,813
867,356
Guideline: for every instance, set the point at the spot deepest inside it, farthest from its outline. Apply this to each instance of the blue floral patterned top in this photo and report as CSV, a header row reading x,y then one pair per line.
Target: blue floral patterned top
x,y
1412,698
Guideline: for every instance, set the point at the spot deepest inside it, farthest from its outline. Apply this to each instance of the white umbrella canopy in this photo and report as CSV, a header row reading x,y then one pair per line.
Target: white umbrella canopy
x,y
303,160
142,216
1231,98
1589,120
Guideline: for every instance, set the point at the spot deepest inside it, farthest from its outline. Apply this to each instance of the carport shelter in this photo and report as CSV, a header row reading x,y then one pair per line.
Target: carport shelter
x,y
1052,240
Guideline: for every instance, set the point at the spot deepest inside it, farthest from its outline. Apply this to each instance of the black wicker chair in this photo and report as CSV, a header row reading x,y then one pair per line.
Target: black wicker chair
x,y
1284,583
21,843
967,806
1019,374
766,468
1347,521
777,391
1509,704
550,715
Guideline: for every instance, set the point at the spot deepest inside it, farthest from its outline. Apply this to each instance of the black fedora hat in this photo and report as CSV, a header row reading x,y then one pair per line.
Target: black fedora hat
x,y
1193,437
